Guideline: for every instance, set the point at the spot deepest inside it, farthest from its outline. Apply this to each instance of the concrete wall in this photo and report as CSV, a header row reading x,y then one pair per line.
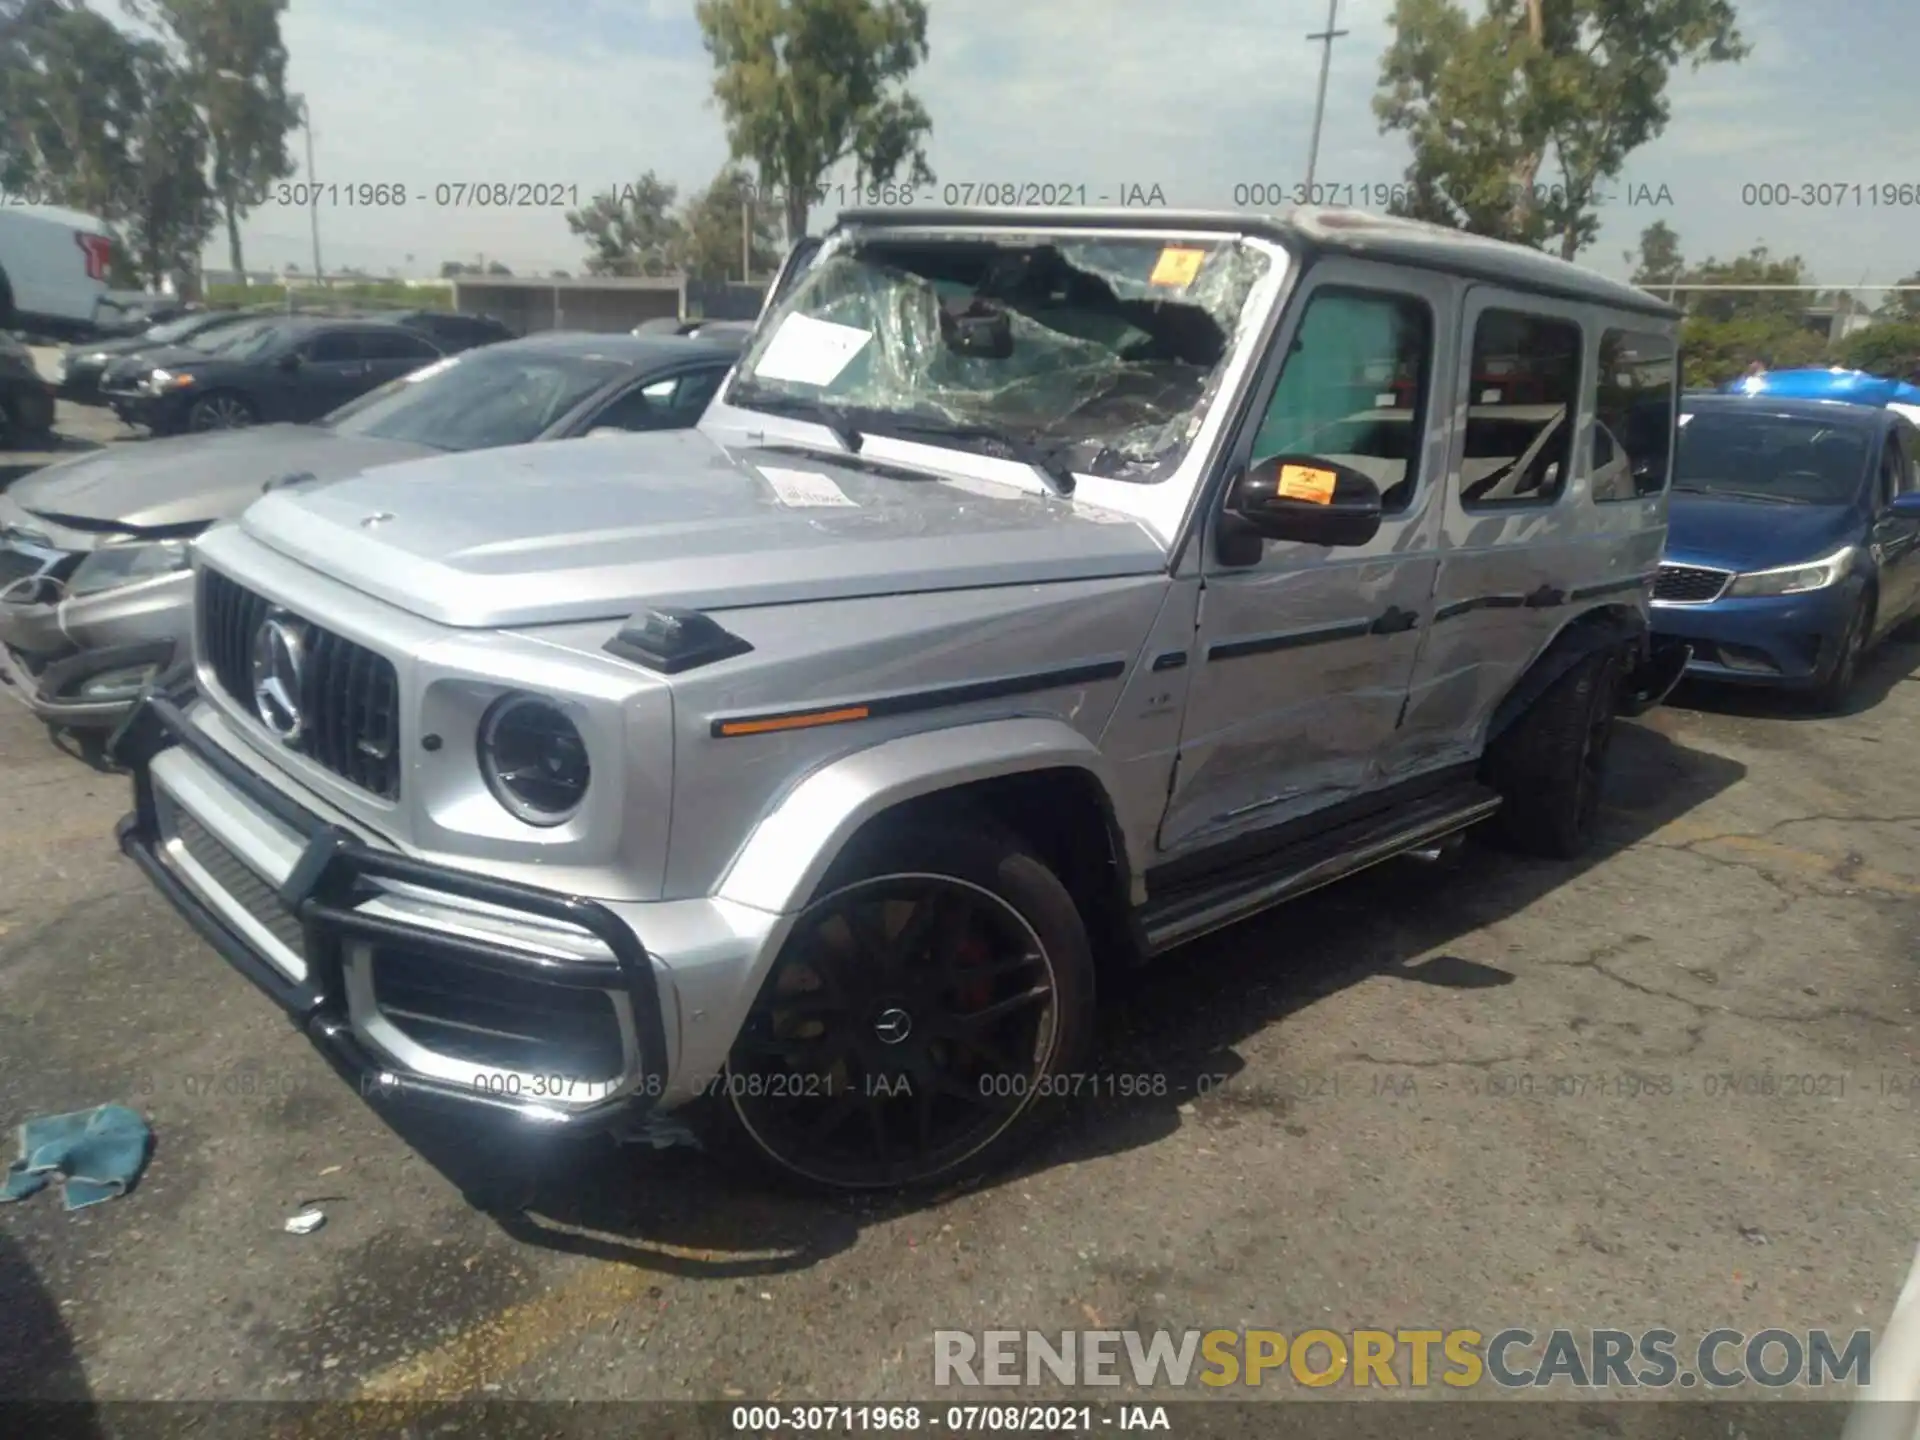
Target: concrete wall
x,y
605,305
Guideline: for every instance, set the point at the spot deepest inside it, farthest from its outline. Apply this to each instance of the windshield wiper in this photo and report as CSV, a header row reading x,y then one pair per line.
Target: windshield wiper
x,y
1044,459
795,407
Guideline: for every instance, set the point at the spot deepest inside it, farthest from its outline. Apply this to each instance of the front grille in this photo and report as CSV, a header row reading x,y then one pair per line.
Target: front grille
x,y
349,696
1689,584
232,874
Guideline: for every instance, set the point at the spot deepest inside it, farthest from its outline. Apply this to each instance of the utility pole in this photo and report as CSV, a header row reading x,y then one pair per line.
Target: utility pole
x,y
1326,38
313,192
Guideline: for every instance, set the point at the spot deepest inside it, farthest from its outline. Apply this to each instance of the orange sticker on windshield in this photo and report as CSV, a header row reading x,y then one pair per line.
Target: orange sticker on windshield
x,y
1177,267
1303,482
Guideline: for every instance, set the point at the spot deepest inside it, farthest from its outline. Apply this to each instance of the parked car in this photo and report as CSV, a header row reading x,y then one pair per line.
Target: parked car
x,y
452,332
123,313
53,270
289,369
1795,540
95,547
26,399
804,770
80,367
725,332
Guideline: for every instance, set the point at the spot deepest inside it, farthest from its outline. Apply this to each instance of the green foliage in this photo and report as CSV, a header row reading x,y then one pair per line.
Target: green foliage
x,y
172,208
1757,267
451,268
1658,260
1891,348
632,231
1488,101
714,224
235,68
807,84
1714,351
1903,306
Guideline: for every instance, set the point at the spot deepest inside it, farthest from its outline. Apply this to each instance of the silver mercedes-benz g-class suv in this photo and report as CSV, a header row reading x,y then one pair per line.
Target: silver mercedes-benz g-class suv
x,y
1043,589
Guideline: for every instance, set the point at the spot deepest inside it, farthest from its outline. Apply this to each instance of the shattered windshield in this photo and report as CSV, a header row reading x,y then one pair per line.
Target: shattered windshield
x,y
1100,353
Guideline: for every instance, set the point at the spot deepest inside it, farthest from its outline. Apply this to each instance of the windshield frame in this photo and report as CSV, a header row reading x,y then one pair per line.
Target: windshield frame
x,y
1686,418
1241,352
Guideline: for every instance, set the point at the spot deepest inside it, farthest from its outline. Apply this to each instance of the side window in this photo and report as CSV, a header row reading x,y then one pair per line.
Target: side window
x,y
1521,409
1635,390
645,407
333,346
1910,442
1354,389
695,391
397,345
1892,469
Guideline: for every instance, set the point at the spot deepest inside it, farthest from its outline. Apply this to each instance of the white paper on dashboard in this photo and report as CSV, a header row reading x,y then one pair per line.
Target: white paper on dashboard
x,y
803,488
807,351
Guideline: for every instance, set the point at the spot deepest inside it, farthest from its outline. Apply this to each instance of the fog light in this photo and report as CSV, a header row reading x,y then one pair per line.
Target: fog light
x,y
121,684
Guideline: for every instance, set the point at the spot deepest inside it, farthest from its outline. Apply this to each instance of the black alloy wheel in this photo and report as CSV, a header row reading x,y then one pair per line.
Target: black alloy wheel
x,y
908,1023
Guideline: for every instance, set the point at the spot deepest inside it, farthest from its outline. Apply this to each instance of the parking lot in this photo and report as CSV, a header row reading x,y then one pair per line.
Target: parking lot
x,y
1676,1085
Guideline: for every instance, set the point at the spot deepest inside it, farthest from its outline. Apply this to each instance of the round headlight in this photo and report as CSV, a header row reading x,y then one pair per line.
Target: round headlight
x,y
533,759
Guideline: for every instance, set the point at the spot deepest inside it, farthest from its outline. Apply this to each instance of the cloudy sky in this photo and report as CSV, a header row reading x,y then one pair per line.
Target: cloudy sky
x,y
1196,97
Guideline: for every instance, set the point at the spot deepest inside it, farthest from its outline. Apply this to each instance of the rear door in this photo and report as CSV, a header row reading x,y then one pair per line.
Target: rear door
x,y
333,370
394,352
1512,541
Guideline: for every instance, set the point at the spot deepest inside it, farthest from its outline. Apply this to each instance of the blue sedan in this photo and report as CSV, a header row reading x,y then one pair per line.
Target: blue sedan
x,y
1794,539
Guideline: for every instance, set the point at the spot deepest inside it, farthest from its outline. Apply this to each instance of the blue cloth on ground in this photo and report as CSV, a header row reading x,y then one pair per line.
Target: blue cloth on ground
x,y
98,1152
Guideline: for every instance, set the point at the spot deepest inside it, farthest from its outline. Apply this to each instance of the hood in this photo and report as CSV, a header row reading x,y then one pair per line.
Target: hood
x,y
190,479
596,528
112,348
1753,534
137,359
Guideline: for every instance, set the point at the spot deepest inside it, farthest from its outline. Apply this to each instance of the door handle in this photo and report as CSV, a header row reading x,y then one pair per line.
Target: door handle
x,y
1545,598
1395,621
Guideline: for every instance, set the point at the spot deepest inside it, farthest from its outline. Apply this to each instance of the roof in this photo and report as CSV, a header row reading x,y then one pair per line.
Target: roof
x,y
1836,412
1308,230
638,350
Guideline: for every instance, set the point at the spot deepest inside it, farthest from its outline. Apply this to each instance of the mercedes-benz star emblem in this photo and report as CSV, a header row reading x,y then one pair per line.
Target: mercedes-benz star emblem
x,y
279,661
893,1026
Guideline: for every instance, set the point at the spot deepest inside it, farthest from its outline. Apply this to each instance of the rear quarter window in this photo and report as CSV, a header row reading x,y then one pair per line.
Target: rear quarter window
x,y
1639,374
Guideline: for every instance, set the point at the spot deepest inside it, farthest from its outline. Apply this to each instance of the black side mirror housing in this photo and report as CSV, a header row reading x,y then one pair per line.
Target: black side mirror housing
x,y
1306,499
290,360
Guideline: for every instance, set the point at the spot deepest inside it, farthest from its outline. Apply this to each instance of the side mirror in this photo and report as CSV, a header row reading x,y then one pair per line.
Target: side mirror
x,y
289,361
1306,499
981,331
1905,507
33,590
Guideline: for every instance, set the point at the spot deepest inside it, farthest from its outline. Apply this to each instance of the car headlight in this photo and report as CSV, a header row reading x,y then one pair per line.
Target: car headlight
x,y
533,759
167,380
1795,579
112,566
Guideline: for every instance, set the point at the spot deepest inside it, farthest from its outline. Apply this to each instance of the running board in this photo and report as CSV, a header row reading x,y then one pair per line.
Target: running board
x,y
1212,904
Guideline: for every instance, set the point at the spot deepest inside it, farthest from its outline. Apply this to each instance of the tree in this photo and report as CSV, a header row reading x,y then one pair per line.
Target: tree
x,y
1487,101
1658,261
1891,348
1901,305
807,84
172,208
633,231
236,62
714,224
70,101
1757,267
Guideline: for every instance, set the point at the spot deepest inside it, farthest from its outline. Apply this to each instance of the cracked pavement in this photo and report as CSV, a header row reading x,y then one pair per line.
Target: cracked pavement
x,y
1676,1084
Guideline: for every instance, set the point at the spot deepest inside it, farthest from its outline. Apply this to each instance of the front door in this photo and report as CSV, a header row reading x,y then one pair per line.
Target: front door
x,y
333,370
1896,541
1304,652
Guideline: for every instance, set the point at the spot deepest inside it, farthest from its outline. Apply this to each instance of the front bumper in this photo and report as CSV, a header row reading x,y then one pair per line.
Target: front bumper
x,y
1777,640
53,657
419,982
58,690
142,407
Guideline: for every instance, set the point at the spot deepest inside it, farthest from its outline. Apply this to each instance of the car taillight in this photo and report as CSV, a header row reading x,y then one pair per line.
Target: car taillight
x,y
98,249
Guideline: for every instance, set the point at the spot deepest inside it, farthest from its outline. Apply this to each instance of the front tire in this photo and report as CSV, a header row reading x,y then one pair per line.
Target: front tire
x,y
919,1021
221,410
1550,766
1833,692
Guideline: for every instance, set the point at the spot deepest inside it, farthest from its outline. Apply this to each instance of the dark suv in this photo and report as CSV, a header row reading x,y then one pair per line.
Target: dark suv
x,y
451,332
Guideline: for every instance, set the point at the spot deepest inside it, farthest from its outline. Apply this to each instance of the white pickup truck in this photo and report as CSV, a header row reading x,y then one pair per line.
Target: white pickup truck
x,y
53,270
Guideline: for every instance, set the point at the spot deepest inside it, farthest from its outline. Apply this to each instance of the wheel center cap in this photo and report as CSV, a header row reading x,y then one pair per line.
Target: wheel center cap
x,y
892,1025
